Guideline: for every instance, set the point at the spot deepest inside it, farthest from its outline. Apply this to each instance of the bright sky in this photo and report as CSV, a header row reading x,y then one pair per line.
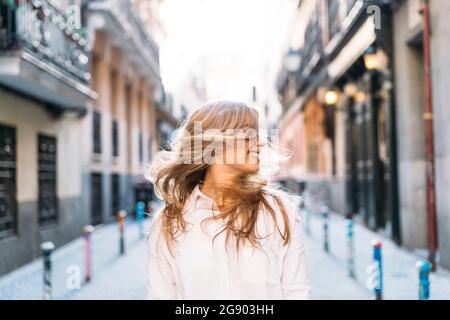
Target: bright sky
x,y
252,31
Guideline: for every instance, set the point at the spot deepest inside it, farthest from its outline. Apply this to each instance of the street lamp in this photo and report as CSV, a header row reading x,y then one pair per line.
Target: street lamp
x,y
293,60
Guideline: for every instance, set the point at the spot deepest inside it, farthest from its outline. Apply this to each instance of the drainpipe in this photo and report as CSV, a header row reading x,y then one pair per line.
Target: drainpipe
x,y
429,139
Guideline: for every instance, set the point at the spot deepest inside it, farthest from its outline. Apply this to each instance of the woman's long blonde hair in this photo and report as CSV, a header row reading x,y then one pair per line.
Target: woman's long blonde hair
x,y
174,180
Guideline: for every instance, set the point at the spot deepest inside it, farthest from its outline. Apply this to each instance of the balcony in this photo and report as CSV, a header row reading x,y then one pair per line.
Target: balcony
x,y
339,25
43,57
313,48
334,20
136,43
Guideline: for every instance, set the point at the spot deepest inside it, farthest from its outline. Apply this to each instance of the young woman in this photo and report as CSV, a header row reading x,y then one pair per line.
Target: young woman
x,y
222,233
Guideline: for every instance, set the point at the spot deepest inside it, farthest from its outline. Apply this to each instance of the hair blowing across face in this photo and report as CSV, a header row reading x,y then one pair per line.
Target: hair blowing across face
x,y
174,180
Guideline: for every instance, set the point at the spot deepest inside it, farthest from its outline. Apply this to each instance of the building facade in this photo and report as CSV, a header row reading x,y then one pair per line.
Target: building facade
x,y
357,99
410,78
80,98
45,89
346,108
120,127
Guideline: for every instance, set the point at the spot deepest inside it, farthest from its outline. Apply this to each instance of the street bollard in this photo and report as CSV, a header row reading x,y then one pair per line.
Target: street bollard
x,y
47,249
325,216
378,280
350,248
307,220
304,213
424,268
121,219
151,208
140,206
87,232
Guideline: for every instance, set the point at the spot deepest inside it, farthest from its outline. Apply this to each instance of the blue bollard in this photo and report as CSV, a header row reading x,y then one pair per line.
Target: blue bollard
x,y
140,206
424,268
307,220
325,216
47,249
378,285
350,249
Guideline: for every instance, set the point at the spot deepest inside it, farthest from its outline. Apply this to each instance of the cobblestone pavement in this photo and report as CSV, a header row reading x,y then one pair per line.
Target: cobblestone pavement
x,y
123,277
400,277
26,281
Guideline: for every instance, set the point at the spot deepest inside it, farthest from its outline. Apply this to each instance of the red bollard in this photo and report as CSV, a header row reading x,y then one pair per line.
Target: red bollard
x,y
87,231
121,219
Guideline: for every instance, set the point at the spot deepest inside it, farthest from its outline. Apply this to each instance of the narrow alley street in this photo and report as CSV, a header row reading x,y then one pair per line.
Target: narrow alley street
x,y
109,107
123,277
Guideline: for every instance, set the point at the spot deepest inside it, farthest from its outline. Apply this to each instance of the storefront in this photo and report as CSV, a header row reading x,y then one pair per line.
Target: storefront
x,y
360,75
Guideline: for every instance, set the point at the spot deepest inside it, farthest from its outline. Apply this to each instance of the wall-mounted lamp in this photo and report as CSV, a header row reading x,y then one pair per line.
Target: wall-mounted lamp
x,y
350,89
360,97
331,97
375,59
328,96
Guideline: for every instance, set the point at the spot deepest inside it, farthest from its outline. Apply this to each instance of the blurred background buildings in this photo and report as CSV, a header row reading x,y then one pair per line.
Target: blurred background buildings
x,y
353,90
90,90
82,111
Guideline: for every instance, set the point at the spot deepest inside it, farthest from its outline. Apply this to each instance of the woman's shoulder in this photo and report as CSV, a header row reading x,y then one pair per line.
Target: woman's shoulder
x,y
279,199
156,242
155,222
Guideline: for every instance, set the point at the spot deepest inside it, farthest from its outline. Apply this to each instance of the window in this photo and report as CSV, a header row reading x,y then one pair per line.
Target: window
x,y
115,124
141,148
96,70
350,5
47,205
115,138
115,193
184,112
150,148
313,158
8,203
334,22
97,141
114,91
313,42
163,133
128,106
96,198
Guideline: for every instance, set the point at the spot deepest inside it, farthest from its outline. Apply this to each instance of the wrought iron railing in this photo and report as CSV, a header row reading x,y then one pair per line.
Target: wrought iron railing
x,y
40,28
334,21
338,25
313,43
8,183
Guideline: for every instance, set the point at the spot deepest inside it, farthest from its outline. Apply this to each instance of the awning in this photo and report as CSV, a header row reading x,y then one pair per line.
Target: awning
x,y
362,39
